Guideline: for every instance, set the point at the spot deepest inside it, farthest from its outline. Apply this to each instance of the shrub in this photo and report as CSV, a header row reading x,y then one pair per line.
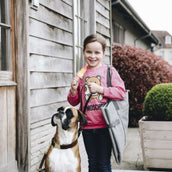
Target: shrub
x,y
158,103
141,70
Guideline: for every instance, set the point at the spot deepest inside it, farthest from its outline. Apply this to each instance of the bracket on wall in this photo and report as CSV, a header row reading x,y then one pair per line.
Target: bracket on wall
x,y
35,4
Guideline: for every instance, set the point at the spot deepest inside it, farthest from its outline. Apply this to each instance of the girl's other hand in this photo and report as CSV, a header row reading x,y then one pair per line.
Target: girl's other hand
x,y
95,88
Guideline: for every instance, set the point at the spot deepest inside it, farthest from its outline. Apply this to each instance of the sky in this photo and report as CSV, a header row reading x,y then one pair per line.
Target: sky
x,y
156,14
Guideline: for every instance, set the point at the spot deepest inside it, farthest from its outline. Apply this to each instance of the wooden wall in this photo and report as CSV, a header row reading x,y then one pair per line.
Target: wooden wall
x,y
8,129
103,24
51,65
50,69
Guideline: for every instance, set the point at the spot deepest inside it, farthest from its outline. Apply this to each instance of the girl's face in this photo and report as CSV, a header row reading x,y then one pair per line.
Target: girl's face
x,y
93,54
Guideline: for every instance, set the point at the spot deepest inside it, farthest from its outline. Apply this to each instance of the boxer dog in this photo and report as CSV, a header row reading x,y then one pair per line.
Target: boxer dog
x,y
63,153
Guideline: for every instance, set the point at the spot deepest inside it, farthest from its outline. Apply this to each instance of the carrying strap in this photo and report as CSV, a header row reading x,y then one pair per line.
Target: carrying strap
x,y
80,128
41,164
109,77
109,85
86,101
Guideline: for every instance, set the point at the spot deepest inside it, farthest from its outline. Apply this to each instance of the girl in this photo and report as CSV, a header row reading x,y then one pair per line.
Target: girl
x,y
95,133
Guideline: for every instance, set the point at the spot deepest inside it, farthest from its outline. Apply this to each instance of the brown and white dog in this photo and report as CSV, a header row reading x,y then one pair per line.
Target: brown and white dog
x,y
63,154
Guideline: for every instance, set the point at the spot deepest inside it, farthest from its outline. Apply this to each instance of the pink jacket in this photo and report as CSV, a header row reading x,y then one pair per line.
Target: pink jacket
x,y
116,92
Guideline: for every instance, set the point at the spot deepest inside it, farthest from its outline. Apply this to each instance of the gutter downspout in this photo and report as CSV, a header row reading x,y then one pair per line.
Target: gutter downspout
x,y
142,37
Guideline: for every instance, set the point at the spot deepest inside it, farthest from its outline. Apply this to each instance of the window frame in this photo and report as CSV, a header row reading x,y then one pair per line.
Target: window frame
x,y
81,25
119,34
8,73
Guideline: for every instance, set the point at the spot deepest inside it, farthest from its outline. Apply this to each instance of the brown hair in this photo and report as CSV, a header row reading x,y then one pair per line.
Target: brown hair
x,y
95,38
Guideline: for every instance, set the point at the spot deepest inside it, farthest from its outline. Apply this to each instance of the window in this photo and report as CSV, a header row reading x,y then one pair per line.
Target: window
x,y
80,25
167,39
5,40
118,33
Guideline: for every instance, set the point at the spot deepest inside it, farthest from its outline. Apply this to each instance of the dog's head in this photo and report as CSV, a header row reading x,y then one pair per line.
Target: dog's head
x,y
67,117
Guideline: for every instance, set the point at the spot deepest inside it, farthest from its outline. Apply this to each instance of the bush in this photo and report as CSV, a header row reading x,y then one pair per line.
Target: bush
x,y
141,70
158,103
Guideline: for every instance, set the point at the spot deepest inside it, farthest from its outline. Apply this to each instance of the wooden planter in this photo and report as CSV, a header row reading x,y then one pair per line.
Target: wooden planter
x,y
156,142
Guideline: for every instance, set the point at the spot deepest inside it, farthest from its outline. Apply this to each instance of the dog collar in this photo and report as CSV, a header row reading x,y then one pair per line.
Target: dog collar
x,y
58,146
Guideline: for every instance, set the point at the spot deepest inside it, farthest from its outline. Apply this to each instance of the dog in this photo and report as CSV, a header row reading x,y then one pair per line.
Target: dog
x,y
63,153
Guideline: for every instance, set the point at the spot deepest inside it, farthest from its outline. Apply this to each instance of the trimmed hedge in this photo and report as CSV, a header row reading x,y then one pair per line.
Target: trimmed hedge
x,y
141,70
158,103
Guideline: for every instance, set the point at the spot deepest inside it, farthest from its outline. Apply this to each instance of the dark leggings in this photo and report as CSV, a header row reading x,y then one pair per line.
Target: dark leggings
x,y
98,147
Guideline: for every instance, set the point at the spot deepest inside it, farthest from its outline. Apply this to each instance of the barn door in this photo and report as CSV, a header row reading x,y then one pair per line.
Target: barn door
x,y
7,89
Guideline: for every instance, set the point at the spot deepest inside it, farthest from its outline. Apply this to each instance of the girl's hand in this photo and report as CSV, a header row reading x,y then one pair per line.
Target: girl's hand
x,y
94,88
74,85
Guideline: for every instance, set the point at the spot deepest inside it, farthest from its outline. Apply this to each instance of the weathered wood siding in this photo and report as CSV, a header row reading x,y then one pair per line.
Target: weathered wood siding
x,y
8,129
103,24
51,65
50,69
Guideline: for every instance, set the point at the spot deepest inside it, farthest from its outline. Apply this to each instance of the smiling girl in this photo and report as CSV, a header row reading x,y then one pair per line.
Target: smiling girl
x,y
95,134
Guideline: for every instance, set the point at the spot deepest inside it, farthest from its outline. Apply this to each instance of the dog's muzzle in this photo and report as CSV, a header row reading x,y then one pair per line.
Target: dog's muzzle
x,y
65,122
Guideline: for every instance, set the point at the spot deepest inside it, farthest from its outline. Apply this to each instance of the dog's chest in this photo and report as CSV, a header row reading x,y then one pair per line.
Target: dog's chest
x,y
63,160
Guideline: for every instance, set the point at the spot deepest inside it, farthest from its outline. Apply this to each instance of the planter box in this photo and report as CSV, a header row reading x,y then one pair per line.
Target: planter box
x,y
156,143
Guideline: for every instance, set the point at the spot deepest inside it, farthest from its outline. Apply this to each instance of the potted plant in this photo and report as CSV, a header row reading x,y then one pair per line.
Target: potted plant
x,y
156,127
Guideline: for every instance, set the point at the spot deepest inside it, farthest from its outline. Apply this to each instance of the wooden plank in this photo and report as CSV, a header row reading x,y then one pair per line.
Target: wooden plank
x,y
101,19
43,137
4,127
50,79
43,131
69,2
22,97
48,96
156,125
52,18
11,104
50,64
160,144
159,163
65,9
48,48
159,154
160,135
50,33
42,128
103,30
39,124
105,3
103,10
44,112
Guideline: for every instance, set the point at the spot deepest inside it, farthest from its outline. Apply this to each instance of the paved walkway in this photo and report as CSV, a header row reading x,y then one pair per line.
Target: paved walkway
x,y
132,160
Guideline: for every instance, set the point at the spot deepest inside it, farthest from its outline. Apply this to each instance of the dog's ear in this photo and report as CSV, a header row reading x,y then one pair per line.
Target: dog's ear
x,y
53,121
82,118
60,109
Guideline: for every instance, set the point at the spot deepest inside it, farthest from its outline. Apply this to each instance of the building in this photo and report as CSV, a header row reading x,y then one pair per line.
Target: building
x,y
41,50
129,28
165,49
